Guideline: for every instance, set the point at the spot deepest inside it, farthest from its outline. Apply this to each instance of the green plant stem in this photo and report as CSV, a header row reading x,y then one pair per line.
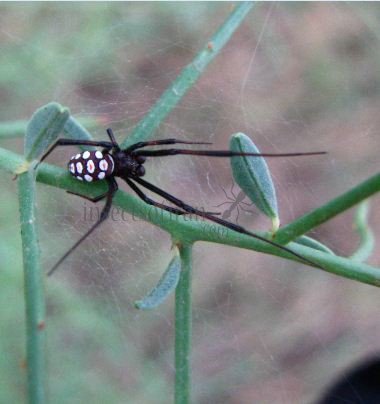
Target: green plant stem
x,y
183,321
182,228
193,230
367,239
34,291
327,211
10,161
188,76
9,129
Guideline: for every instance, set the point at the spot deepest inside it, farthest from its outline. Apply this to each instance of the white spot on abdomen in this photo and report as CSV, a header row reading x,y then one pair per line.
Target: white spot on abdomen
x,y
90,166
86,155
98,154
103,165
88,178
101,175
79,168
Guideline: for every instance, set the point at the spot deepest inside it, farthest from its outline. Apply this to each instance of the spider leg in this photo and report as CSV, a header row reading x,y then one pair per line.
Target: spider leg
x,y
139,145
112,138
112,188
95,199
152,202
218,220
76,142
217,153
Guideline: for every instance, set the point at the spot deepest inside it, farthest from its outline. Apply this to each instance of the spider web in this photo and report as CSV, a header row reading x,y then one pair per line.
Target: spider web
x,y
263,328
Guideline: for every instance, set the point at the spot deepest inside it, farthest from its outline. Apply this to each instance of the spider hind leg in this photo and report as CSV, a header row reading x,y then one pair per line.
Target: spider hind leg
x,y
112,188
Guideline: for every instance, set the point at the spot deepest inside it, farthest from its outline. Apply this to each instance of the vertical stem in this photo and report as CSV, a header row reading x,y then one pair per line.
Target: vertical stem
x,y
183,323
188,76
33,289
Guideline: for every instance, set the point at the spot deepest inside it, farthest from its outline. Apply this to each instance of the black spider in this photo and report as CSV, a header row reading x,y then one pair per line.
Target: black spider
x,y
127,164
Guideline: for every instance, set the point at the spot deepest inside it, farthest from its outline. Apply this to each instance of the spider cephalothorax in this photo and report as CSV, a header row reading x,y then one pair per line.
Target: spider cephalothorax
x,y
127,164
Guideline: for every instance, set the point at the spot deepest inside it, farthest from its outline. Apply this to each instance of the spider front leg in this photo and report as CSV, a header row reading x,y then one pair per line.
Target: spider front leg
x,y
75,142
160,142
216,153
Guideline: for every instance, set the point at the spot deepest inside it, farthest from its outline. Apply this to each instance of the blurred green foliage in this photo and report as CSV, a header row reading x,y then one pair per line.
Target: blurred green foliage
x,y
62,47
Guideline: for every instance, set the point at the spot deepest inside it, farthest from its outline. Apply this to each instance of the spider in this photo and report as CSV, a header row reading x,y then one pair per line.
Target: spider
x,y
128,164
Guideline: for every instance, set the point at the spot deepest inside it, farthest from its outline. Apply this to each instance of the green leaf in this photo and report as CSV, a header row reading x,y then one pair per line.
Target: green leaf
x,y
165,286
43,129
75,130
13,129
253,177
310,242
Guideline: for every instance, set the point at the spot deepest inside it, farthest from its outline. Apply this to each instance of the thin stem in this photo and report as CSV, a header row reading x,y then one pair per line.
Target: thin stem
x,y
183,321
10,129
188,76
327,211
367,239
185,229
34,291
10,161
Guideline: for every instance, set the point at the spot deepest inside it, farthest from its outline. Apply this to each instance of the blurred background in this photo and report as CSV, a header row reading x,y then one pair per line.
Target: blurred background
x,y
295,77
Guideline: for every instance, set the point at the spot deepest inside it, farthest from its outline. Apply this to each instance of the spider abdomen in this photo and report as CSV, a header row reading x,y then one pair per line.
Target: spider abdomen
x,y
91,165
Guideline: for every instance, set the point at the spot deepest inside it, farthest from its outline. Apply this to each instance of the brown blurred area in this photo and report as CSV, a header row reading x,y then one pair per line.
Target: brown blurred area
x,y
295,77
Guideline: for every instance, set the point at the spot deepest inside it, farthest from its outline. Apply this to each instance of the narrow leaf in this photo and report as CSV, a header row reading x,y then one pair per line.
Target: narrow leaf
x,y
253,177
14,129
312,243
165,286
44,128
